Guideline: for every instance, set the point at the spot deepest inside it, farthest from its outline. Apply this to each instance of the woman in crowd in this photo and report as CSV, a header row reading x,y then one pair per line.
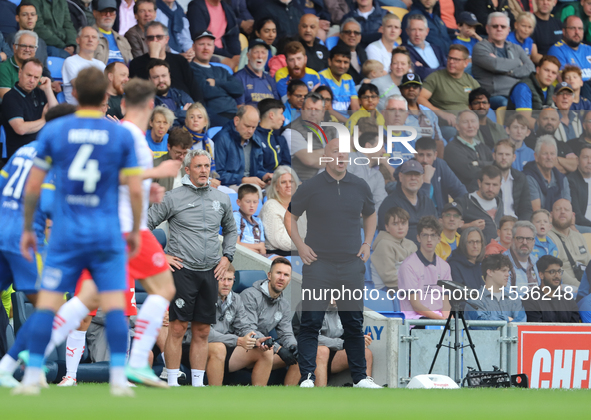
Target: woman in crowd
x,y
265,29
197,124
157,136
283,185
466,259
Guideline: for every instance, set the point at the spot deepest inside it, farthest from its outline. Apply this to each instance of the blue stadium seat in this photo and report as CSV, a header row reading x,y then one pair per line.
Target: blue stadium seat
x,y
331,42
22,308
61,98
296,264
160,237
246,278
3,141
225,66
54,65
213,131
383,305
492,115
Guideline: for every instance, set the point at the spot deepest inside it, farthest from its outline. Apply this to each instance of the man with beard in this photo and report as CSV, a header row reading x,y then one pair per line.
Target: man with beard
x,y
546,183
547,124
572,246
409,197
174,99
514,185
465,155
219,88
256,82
524,274
296,62
489,132
571,50
555,306
118,75
484,208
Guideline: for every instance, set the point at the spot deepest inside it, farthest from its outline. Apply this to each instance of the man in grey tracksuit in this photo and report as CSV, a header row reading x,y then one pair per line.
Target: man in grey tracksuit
x,y
268,310
195,211
232,345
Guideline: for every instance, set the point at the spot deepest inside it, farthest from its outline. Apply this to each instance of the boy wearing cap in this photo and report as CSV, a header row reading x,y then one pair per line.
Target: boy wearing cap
x,y
451,220
468,37
257,83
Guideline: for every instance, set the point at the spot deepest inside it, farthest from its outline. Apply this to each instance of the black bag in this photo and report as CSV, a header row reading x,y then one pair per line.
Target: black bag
x,y
493,379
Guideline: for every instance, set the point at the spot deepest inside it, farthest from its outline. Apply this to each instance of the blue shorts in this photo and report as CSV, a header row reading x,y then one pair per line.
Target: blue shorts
x,y
15,269
63,268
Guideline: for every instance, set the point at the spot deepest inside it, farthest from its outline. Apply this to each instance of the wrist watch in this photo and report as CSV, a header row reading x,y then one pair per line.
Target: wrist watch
x,y
229,257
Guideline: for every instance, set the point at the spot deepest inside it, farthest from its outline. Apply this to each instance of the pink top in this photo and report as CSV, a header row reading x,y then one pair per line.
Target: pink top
x,y
126,17
217,22
414,275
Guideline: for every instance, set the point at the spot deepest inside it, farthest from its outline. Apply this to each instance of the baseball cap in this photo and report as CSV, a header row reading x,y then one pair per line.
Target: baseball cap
x,y
412,166
101,5
204,34
411,78
452,206
563,86
468,18
256,42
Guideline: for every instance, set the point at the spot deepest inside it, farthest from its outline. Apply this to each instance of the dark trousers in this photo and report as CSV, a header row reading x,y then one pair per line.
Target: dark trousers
x,y
318,277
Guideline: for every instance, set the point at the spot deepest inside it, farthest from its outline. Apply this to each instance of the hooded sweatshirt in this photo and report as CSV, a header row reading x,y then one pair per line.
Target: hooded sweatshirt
x,y
387,256
465,272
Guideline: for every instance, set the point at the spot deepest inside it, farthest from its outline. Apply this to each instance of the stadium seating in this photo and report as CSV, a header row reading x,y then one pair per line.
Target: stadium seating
x,y
61,98
331,42
9,336
22,308
383,305
54,65
223,66
246,278
213,131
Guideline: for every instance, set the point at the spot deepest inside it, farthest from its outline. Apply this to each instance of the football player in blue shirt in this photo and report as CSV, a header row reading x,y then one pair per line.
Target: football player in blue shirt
x,y
88,154
570,49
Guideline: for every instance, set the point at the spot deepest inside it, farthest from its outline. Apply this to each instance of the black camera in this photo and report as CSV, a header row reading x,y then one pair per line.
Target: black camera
x,y
268,342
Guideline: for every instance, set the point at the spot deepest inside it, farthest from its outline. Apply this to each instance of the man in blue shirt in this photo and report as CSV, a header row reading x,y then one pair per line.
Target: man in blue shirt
x,y
89,154
341,83
571,50
257,83
174,99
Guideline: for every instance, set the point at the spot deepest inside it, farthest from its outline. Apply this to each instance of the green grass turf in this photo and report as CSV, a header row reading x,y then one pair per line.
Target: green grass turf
x,y
92,401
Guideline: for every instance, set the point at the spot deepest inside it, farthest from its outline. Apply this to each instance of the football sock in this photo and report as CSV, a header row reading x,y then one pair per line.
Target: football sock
x,y
40,333
147,328
173,377
68,318
75,345
197,377
116,327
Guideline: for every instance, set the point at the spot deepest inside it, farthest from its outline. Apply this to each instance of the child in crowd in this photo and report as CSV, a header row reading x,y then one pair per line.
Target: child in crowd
x,y
467,37
371,69
517,128
544,244
296,92
197,123
157,136
369,98
525,23
381,50
251,233
574,77
391,248
451,220
505,232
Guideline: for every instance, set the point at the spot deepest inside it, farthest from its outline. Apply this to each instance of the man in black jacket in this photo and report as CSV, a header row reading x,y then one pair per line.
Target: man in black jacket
x,y
180,72
514,186
484,208
550,306
350,38
578,182
316,52
285,13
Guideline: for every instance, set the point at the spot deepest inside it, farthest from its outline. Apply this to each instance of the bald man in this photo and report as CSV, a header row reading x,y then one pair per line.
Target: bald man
x,y
316,52
565,238
238,155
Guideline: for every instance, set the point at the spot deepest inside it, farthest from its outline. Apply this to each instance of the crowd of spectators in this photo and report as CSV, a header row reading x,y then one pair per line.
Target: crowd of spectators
x,y
496,193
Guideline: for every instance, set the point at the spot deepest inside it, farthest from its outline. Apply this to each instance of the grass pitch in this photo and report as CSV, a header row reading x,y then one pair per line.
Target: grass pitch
x,y
93,401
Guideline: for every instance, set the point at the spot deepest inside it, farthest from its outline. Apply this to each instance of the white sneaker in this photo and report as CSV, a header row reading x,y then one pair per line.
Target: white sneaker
x,y
366,383
307,383
122,391
8,381
164,374
67,381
